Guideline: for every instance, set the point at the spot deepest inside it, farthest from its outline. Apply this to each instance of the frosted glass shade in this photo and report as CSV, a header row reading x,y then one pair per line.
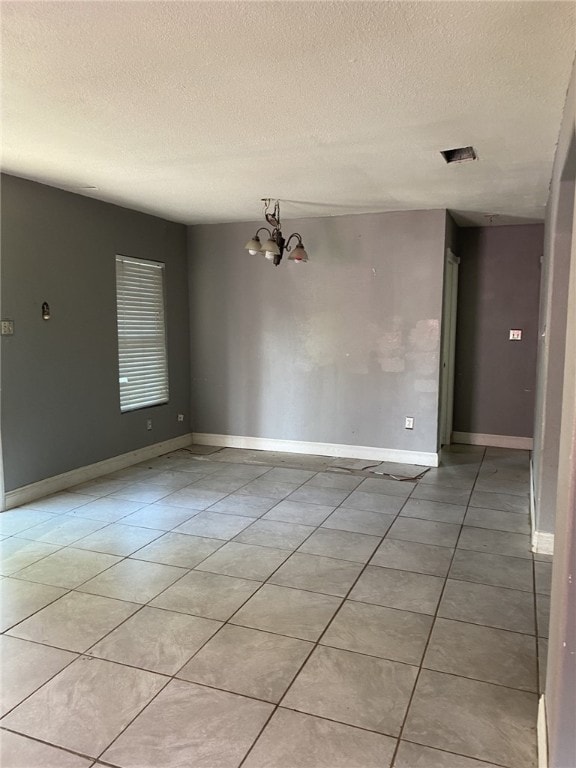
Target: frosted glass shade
x,y
299,254
270,246
253,246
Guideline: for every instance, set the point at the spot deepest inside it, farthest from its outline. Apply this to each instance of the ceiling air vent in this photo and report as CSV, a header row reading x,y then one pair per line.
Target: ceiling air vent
x,y
459,155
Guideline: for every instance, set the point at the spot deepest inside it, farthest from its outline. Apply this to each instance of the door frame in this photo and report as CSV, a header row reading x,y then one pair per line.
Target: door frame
x,y
448,347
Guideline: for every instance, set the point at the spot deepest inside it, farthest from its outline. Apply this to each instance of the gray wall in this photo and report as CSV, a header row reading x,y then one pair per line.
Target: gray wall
x,y
338,350
60,398
498,287
557,436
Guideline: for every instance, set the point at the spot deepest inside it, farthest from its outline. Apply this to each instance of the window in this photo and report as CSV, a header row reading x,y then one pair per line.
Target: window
x,y
143,364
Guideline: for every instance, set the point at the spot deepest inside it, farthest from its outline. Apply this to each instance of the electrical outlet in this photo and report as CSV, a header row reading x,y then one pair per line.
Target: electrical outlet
x,y
516,335
180,417
148,424
7,327
409,422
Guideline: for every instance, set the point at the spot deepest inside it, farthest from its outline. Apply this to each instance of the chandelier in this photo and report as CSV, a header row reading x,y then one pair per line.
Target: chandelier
x,y
273,248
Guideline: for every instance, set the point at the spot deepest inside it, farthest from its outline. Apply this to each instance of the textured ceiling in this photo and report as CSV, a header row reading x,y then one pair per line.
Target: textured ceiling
x,y
196,110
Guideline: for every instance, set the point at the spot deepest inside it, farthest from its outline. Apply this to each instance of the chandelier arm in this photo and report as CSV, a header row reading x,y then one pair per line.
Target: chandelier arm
x,y
288,247
265,230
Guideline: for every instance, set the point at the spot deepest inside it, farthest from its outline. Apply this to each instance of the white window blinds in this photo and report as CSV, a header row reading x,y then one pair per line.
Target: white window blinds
x,y
143,364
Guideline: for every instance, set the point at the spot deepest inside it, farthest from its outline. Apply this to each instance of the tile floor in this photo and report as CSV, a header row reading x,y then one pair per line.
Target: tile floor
x,y
204,610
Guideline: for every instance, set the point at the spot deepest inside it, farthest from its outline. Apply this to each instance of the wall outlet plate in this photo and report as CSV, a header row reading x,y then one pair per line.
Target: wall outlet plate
x,y
7,327
148,424
516,335
409,422
180,417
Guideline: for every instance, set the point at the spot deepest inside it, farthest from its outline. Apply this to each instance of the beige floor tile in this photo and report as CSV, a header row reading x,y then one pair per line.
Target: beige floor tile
x,y
146,492
67,568
491,606
16,554
441,493
495,542
133,580
483,653
413,556
353,689
378,631
62,529
160,516
416,756
25,667
244,560
424,531
479,720
433,510
356,547
285,611
271,533
299,512
178,549
224,727
317,574
213,525
295,740
359,521
75,621
19,752
398,589
495,519
107,509
374,502
194,498
20,599
118,539
506,502
63,711
330,497
249,662
207,594
497,570
268,489
157,640
246,506
342,481
15,521
60,502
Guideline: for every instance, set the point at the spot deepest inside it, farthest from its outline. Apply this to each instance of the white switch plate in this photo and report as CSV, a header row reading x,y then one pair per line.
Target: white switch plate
x,y
149,424
516,335
409,422
7,327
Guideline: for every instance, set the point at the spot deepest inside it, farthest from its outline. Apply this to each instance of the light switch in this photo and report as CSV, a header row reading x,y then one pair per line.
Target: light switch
x,y
7,327
516,335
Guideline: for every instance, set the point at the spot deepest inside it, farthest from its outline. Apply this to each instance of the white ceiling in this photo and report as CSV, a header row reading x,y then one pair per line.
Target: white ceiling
x,y
196,110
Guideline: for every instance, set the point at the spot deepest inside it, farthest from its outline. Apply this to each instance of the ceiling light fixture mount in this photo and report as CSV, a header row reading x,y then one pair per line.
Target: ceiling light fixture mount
x,y
273,248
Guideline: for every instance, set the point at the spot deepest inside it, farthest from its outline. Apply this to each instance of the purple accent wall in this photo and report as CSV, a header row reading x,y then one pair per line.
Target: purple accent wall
x,y
498,290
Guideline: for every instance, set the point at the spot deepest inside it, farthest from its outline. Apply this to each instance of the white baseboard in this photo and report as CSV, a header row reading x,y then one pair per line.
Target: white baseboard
x,y
493,441
542,731
542,543
83,474
319,449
